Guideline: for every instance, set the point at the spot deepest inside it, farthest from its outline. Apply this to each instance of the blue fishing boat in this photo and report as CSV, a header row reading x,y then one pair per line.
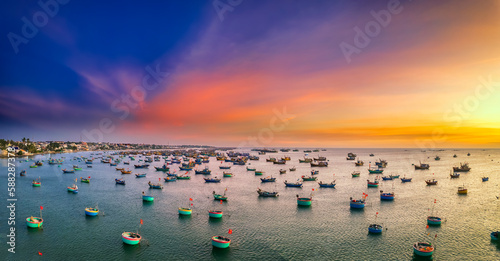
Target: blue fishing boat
x,y
375,229
314,172
224,167
212,180
494,235
120,181
142,166
205,171
170,179
91,211
172,174
296,184
155,186
268,179
405,179
387,195
386,178
485,179
423,249
327,185
358,203
68,171
375,171
185,168
143,175
22,173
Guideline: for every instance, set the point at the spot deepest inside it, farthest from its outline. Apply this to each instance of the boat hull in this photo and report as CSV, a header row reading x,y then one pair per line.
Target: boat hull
x,y
382,197
493,237
32,224
433,222
357,205
375,230
128,240
91,212
215,214
148,198
185,212
220,243
422,253
304,201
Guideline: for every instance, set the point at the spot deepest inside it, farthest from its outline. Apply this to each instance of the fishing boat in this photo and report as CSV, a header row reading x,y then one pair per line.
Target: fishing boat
x,y
375,229
485,179
286,158
68,171
355,174
431,182
462,190
91,211
279,162
371,154
308,178
155,186
263,193
422,166
314,172
147,198
381,163
454,175
183,177
215,213
268,179
296,184
225,167
185,211
172,174
293,169
36,183
113,164
305,160
394,176
22,173
437,158
39,163
185,168
423,249
212,180
373,183
405,179
327,185
120,181
463,168
282,171
126,163
434,221
227,174
375,171
34,222
33,166
319,164
162,168
358,203
89,166
320,158
455,155
250,169
85,180
304,201
271,159
142,166
468,154
387,195
131,238
204,171
386,178
259,173
73,188
494,235
170,179
220,242
222,197
359,163
143,175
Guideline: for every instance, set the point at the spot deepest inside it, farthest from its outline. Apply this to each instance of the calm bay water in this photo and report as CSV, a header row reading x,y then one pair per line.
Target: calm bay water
x,y
263,228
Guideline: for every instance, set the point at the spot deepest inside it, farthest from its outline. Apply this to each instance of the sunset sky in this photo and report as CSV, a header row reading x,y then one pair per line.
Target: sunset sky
x,y
258,73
